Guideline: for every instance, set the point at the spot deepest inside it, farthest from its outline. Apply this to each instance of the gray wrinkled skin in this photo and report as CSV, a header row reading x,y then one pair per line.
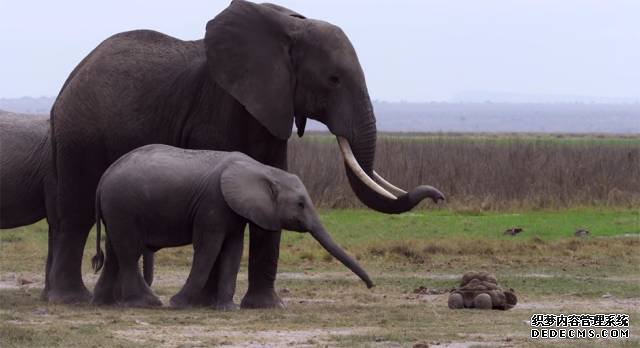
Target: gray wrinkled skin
x,y
160,196
27,181
27,184
25,169
258,69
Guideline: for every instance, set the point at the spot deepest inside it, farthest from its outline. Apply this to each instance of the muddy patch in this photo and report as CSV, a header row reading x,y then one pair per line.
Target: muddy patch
x,y
291,300
608,278
589,305
12,281
200,336
469,344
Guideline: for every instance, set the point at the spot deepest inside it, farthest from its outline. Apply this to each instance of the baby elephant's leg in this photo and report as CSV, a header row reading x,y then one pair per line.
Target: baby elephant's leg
x,y
228,265
134,290
206,245
210,292
104,292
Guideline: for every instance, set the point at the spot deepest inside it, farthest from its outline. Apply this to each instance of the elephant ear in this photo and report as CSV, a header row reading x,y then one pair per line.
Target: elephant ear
x,y
250,193
248,55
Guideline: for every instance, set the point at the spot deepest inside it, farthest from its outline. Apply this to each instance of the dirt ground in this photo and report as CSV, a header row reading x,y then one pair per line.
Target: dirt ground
x,y
323,309
329,306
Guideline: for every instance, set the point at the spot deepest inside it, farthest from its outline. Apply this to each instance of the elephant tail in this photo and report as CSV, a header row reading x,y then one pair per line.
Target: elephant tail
x,y
98,259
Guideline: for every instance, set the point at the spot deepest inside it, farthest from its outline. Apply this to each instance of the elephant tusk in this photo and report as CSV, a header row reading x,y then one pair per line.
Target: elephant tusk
x,y
387,185
358,171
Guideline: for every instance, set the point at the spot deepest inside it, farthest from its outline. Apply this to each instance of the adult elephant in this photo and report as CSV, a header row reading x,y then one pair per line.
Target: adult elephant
x,y
27,186
259,67
27,183
27,180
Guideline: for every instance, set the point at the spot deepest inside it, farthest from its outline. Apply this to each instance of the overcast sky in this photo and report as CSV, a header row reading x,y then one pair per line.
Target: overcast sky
x,y
410,50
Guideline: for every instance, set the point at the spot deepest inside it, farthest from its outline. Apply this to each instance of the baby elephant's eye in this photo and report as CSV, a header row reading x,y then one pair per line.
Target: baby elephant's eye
x,y
334,79
300,205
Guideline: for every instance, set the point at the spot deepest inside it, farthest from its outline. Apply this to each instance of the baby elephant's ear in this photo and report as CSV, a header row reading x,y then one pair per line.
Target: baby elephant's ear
x,y
249,191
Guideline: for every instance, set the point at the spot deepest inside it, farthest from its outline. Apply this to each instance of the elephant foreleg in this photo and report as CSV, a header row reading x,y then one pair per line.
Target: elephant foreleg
x,y
207,245
264,246
228,265
264,250
209,295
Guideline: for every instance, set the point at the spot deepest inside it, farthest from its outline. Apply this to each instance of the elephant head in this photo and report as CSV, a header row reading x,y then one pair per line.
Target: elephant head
x,y
274,199
283,67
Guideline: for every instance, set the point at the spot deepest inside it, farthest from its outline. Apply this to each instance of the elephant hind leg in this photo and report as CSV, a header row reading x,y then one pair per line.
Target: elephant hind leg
x,y
65,279
107,285
47,270
134,291
78,170
52,221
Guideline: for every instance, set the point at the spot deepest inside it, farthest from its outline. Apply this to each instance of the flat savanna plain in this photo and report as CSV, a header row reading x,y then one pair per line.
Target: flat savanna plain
x,y
551,270
413,258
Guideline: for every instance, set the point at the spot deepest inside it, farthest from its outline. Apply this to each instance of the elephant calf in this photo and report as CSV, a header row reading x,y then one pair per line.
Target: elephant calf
x,y
161,196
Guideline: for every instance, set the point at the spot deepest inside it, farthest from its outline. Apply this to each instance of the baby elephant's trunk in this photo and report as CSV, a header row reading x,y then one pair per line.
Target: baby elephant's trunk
x,y
320,234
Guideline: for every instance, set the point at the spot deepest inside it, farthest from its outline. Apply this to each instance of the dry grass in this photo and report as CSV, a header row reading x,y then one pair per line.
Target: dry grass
x,y
551,271
484,173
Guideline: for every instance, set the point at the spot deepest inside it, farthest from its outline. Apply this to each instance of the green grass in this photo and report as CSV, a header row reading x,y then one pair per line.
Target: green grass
x,y
551,270
413,237
361,225
450,239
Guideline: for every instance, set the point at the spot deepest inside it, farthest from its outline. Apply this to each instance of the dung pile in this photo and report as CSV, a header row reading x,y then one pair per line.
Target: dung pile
x,y
481,290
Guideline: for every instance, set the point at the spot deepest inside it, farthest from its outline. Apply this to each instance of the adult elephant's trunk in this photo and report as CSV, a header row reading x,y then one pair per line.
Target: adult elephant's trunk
x,y
372,189
320,234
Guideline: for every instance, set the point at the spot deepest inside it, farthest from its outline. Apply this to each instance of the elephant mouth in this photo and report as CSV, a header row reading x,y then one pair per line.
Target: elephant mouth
x,y
378,193
377,183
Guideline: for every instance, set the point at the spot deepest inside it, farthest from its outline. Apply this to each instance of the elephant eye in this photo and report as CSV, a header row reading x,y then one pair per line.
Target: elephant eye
x,y
334,79
300,205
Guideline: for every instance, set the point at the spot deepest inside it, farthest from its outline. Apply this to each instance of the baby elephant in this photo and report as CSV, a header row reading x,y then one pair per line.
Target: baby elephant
x,y
159,196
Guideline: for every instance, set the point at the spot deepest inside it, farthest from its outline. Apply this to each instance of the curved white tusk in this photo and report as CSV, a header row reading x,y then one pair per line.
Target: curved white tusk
x,y
358,171
389,186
